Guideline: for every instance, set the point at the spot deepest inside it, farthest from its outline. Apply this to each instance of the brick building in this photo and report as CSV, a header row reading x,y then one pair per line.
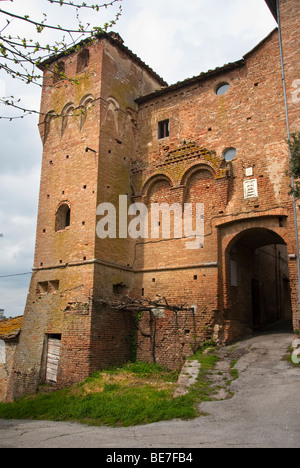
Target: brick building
x,y
217,139
9,338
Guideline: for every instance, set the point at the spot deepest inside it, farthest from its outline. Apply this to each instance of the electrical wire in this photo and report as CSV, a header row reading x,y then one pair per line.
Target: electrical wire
x,y
17,274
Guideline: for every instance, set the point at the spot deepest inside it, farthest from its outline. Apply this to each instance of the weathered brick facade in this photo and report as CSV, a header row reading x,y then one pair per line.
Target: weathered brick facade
x,y
9,337
101,140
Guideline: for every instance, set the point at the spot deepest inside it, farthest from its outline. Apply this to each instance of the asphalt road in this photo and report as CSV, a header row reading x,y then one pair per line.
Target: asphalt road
x,y
263,413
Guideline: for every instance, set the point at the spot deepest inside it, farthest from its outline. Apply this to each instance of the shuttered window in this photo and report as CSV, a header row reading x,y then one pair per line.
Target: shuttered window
x,y
53,352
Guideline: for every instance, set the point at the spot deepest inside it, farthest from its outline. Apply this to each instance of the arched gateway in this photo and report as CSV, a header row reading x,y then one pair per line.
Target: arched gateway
x,y
257,288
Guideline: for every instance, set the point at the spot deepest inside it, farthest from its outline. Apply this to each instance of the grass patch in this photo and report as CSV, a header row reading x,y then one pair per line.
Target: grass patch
x,y
234,372
134,394
202,390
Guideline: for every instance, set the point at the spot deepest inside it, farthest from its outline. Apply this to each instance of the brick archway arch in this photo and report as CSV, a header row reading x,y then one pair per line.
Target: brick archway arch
x,y
256,276
194,169
152,181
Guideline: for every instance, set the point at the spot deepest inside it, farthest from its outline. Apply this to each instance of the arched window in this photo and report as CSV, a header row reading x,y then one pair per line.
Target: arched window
x,y
47,123
85,104
63,217
113,112
83,60
67,111
58,72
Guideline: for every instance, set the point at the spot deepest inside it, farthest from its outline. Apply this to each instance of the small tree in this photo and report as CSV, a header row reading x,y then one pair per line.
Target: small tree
x,y
21,57
294,145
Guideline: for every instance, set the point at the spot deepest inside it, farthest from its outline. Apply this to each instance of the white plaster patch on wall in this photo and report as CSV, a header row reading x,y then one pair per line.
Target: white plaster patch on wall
x,y
296,93
278,163
2,352
296,124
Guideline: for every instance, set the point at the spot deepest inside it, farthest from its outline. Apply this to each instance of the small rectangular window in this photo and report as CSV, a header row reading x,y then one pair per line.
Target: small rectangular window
x,y
58,72
53,286
47,287
42,287
120,288
163,129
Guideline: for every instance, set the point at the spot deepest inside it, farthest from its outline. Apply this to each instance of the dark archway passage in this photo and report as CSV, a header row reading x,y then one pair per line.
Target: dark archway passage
x,y
258,282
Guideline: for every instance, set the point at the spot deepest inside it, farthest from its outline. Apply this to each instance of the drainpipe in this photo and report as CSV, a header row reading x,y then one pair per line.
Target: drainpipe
x,y
290,154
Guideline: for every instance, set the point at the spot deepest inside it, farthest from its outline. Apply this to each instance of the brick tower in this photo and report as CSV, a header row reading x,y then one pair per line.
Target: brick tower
x,y
88,131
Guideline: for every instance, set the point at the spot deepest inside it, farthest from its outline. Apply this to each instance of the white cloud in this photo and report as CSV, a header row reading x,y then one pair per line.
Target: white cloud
x,y
18,207
158,45
182,40
13,295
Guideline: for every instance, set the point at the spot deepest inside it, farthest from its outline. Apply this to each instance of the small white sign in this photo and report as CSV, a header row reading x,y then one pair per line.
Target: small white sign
x,y
249,172
250,189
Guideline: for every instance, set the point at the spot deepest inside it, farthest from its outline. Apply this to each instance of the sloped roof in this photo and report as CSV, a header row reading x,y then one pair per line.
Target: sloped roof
x,y
115,40
190,81
205,75
10,328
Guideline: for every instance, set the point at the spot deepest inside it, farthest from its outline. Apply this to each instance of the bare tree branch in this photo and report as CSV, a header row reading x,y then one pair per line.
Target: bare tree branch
x,y
128,304
144,304
83,4
21,57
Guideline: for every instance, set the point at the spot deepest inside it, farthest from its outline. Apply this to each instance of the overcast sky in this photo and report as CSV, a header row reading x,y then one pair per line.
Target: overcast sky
x,y
178,39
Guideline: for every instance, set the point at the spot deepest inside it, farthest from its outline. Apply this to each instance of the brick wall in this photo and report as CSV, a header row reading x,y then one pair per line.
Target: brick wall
x,y
189,166
101,141
7,352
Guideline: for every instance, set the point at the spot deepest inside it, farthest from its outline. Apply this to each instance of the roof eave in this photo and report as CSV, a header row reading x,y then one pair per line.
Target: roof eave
x,y
207,75
191,81
46,63
275,31
10,336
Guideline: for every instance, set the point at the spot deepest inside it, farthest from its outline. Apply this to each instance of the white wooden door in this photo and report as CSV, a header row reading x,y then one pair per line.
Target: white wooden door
x,y
52,359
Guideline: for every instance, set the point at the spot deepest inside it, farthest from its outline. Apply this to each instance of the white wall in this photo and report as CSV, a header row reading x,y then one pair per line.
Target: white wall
x,y
2,352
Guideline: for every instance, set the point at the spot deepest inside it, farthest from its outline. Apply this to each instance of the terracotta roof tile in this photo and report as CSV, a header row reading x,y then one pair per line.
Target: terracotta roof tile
x,y
114,39
10,328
